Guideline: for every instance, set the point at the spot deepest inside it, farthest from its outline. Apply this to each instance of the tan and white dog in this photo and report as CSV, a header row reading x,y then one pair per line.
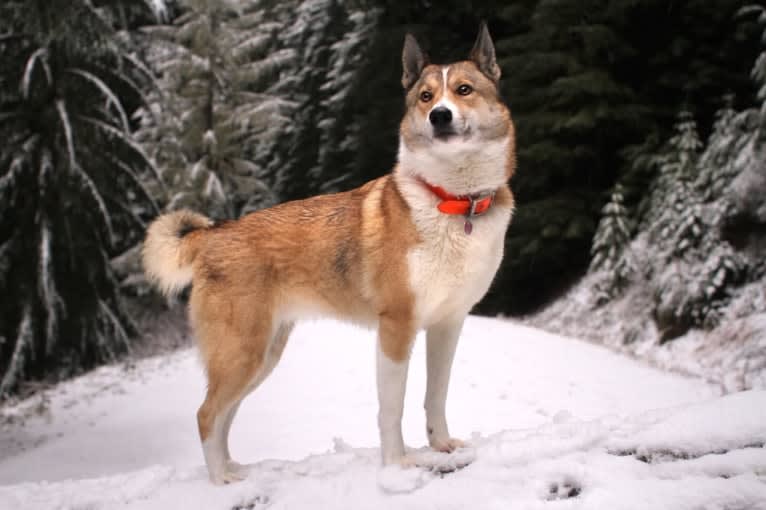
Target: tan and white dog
x,y
412,250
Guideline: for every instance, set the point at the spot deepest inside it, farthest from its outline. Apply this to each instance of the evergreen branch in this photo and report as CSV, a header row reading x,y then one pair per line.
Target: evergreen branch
x,y
64,117
127,170
115,323
45,166
12,36
8,115
132,85
104,88
93,190
159,8
164,33
47,287
38,55
141,224
124,138
140,66
9,177
24,340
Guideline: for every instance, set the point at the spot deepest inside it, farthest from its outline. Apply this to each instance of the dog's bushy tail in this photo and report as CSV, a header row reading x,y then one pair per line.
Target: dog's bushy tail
x,y
169,249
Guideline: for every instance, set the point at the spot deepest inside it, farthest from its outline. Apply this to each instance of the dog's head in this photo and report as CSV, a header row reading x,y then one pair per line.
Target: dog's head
x,y
454,117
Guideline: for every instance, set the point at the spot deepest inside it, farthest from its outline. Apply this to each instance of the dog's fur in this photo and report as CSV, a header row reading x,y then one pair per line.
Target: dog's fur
x,y
382,254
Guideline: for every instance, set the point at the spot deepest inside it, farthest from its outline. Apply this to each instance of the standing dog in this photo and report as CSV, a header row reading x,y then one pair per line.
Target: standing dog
x,y
413,250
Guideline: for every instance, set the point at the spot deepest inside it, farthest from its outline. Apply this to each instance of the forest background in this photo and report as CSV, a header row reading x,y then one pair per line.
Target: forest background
x,y
640,130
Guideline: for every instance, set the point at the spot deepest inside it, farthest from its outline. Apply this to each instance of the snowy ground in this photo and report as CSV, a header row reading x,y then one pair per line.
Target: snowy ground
x,y
732,355
553,423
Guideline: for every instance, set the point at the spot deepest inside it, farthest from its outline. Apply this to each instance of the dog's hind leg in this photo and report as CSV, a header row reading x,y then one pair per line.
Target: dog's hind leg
x,y
219,405
235,352
224,438
273,355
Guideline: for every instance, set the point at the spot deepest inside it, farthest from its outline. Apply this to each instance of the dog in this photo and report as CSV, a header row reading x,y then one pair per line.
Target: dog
x,y
413,250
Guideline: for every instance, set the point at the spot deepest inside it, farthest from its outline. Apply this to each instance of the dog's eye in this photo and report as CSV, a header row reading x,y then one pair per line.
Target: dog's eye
x,y
426,96
464,90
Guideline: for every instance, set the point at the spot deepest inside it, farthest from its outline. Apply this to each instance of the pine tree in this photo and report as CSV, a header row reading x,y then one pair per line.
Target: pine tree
x,y
339,120
758,72
203,127
712,285
573,109
612,234
328,39
586,85
694,269
609,252
293,159
71,184
672,190
717,167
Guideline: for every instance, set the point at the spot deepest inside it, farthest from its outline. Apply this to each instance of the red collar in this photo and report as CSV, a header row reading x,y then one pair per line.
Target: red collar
x,y
464,205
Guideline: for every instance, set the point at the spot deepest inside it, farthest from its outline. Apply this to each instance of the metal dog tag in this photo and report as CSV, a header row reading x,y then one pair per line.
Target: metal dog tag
x,y
468,226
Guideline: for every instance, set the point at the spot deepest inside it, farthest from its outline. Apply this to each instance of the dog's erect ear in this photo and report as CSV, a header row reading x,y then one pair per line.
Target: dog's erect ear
x,y
483,54
413,61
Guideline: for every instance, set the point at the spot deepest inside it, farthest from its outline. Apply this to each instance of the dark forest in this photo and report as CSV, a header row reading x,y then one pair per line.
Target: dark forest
x,y
113,111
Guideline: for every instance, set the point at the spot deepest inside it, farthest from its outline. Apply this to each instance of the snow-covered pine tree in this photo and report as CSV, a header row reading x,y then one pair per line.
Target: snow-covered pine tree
x,y
703,269
70,185
680,225
214,64
692,294
327,39
672,210
676,160
612,234
609,248
339,119
294,160
680,234
716,166
713,284
759,68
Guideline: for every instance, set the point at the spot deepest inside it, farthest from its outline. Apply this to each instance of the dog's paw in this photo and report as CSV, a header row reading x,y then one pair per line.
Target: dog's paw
x,y
442,462
446,445
408,461
403,461
231,474
236,467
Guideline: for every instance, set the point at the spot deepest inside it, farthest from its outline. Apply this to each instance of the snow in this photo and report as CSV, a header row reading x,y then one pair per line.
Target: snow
x,y
547,418
732,355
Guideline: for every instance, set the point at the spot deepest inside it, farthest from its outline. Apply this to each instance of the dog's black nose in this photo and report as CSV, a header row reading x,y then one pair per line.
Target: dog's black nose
x,y
440,117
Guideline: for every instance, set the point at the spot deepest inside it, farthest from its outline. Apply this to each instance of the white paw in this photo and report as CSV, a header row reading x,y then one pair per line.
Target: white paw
x,y
446,445
408,461
236,467
403,460
229,474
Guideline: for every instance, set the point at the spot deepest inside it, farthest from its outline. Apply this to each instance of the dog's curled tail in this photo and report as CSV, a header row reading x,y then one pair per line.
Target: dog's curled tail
x,y
169,250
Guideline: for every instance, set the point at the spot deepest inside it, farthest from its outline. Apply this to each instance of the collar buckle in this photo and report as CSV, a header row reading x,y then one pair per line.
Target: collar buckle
x,y
477,205
472,206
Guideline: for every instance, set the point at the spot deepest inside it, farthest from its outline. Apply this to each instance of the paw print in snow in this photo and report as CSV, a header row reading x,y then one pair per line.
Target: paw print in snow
x,y
563,489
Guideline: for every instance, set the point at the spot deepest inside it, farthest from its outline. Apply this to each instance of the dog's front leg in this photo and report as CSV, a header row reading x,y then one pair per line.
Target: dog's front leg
x,y
395,337
441,342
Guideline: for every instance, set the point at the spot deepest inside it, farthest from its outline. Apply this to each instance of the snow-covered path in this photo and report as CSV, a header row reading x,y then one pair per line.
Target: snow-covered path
x,y
548,417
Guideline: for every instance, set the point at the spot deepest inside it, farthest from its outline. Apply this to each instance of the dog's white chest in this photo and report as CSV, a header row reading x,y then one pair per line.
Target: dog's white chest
x,y
451,270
